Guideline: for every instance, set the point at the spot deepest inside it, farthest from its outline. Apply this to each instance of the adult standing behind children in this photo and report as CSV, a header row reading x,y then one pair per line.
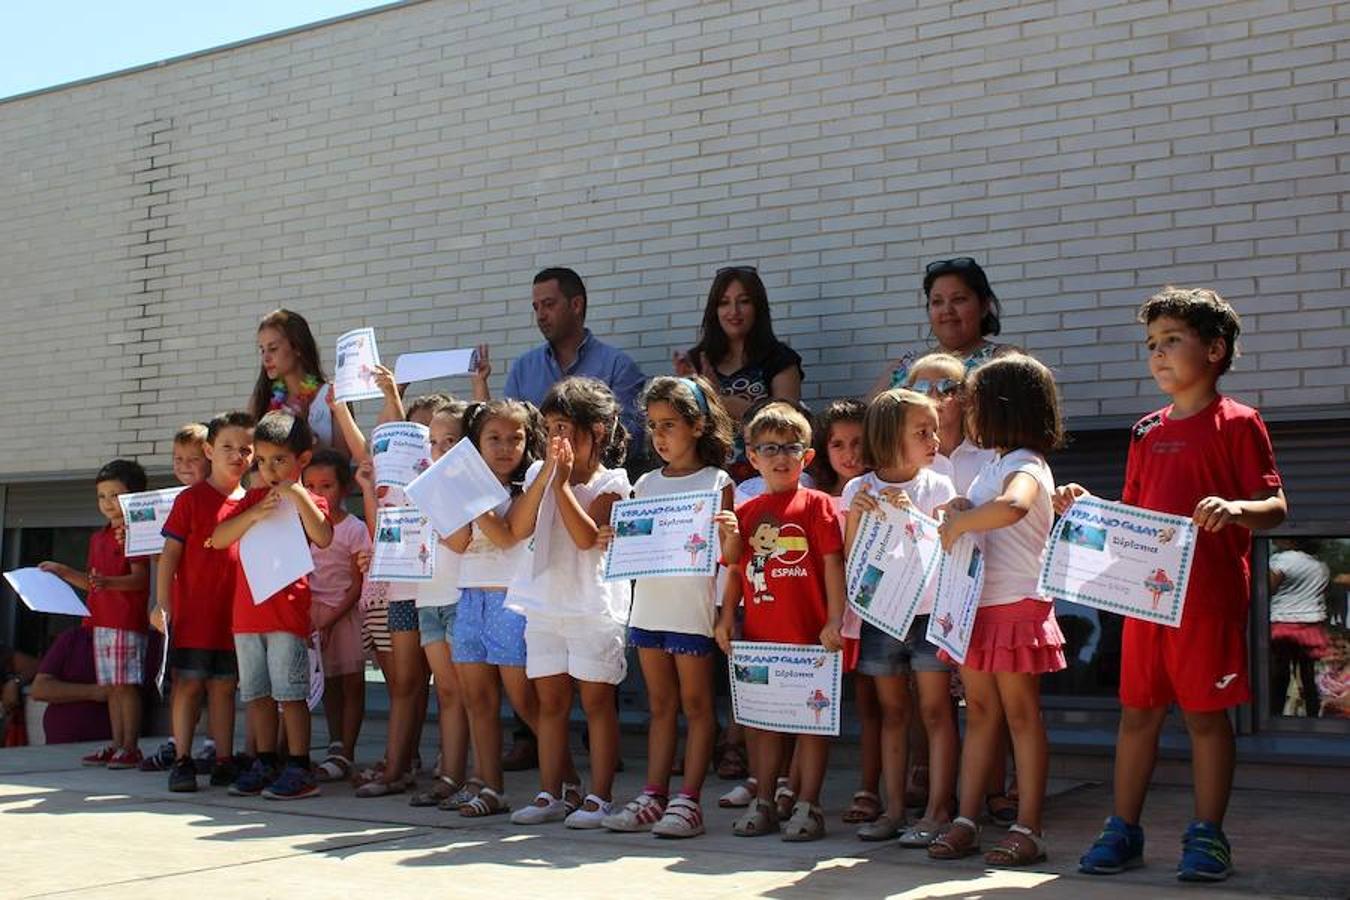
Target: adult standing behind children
x,y
291,376
738,352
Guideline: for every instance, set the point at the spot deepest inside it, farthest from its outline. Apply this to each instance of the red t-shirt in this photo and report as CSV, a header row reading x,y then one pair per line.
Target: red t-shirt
x,y
288,608
127,610
202,598
787,537
1221,451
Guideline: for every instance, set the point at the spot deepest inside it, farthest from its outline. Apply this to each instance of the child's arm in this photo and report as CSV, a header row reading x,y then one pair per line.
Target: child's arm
x,y
317,527
524,512
479,376
349,597
1066,494
392,411
1008,508
728,528
348,429
497,530
365,477
169,558
1258,514
726,620
138,579
235,527
834,600
581,523
73,577
460,539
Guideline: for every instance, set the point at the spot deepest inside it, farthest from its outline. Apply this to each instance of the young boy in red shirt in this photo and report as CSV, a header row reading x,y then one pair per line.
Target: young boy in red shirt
x,y
1208,457
271,638
195,584
791,554
118,597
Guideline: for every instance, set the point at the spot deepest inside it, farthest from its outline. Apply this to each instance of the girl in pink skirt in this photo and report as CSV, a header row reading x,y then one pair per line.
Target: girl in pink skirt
x,y
1013,410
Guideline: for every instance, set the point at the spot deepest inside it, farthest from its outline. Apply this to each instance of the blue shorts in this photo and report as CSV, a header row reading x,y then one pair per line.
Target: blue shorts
x,y
485,631
436,623
402,615
879,654
274,664
672,642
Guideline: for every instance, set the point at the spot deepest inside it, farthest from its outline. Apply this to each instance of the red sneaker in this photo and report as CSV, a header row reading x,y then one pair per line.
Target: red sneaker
x,y
99,757
126,759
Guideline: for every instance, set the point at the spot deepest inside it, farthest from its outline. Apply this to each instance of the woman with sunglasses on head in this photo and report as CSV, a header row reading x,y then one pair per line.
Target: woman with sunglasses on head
x,y
963,313
738,352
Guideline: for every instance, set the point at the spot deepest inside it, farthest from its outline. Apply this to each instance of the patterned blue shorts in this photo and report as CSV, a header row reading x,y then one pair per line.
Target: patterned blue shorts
x,y
485,631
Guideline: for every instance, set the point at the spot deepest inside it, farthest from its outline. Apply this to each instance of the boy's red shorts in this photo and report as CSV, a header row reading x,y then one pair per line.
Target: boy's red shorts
x,y
1201,665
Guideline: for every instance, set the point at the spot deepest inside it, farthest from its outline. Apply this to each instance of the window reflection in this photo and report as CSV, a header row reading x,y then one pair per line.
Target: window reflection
x,y
1309,643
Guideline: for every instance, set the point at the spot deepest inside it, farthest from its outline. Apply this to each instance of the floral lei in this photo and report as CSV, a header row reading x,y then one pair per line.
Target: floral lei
x,y
309,387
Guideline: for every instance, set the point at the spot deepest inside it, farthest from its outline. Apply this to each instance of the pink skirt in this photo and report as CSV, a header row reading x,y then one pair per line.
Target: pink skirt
x,y
1308,638
1016,637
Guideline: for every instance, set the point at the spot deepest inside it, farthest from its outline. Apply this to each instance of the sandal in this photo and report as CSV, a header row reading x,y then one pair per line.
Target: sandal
x,y
382,788
960,840
784,798
760,819
369,774
882,828
442,789
732,762
335,767
866,807
463,796
741,795
571,797
1001,808
922,833
1020,847
486,802
807,823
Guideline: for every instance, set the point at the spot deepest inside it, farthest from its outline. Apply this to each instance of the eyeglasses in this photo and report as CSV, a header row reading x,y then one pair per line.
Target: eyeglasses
x,y
796,448
942,388
748,270
960,262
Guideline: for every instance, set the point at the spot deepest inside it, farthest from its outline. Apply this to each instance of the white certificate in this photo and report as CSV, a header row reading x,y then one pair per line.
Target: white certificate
x,y
661,536
400,451
354,374
315,672
1121,559
960,578
458,488
785,687
275,552
892,567
541,542
404,548
431,364
144,515
44,592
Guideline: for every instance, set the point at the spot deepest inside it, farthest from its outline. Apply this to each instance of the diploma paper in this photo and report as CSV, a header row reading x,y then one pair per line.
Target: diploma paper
x,y
785,687
144,515
404,548
315,672
275,552
960,578
1121,559
400,451
458,488
357,357
44,592
890,571
541,542
412,367
662,536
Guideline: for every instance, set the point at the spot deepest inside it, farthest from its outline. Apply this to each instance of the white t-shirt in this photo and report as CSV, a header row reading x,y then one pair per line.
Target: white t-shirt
x,y
927,491
684,603
1013,556
1302,594
443,588
571,584
484,564
963,465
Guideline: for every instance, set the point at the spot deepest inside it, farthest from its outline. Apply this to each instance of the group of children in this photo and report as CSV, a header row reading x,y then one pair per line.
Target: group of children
x,y
968,448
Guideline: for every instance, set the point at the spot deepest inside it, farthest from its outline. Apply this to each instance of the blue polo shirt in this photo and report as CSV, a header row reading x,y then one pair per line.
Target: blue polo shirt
x,y
533,373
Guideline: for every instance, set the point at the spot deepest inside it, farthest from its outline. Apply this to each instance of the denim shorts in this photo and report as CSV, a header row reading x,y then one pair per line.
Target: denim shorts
x,y
436,623
672,642
402,615
879,654
274,664
199,665
485,631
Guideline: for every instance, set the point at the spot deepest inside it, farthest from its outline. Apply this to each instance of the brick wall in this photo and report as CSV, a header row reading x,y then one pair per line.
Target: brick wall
x,y
411,169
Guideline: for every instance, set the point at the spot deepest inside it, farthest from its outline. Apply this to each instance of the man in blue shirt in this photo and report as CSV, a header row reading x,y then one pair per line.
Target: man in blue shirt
x,y
571,349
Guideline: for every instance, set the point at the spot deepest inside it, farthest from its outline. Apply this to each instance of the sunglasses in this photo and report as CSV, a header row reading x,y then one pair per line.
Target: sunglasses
x,y
942,388
747,270
960,262
769,451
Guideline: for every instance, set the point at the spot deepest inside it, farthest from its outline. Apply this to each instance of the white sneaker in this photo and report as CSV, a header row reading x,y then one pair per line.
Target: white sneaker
x,y
641,813
588,817
551,810
683,819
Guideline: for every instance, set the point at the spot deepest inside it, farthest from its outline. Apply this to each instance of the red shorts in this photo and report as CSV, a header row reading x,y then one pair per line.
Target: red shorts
x,y
1200,665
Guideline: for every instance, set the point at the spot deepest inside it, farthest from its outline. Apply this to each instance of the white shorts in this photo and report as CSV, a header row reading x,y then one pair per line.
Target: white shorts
x,y
589,648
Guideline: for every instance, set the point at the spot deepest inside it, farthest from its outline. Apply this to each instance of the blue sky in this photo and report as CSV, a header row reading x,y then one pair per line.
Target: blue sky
x,y
51,42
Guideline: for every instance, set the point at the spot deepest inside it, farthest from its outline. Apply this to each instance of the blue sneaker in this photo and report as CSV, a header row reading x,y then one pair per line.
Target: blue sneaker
x,y
294,783
1120,846
252,780
1205,854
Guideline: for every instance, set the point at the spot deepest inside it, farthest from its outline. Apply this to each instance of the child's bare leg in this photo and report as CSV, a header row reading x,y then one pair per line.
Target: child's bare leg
x,y
353,711
115,719
935,709
334,705
984,718
1213,759
555,704
482,702
131,716
295,713
663,703
696,698
421,703
602,723
812,756
220,714
893,698
184,706
262,723
869,715
1020,694
1136,753
453,725
408,673
768,758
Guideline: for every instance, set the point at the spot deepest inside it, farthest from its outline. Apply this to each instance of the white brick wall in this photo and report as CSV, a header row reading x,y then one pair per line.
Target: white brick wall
x,y
411,169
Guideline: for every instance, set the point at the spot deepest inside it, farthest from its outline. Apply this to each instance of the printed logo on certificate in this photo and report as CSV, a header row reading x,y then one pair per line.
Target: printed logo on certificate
x,y
673,534
1121,559
405,546
144,515
785,687
890,571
